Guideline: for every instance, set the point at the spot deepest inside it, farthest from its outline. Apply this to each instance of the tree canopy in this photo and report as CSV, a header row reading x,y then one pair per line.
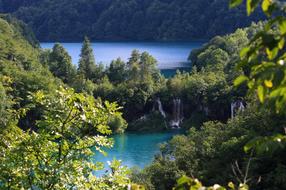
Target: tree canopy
x,y
68,20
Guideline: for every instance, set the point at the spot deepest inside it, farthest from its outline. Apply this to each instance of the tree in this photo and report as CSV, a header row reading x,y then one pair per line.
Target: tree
x,y
60,64
117,72
135,57
58,155
87,66
128,20
148,66
142,67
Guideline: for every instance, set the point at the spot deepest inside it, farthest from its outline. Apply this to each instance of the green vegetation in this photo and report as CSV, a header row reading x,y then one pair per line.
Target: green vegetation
x,y
87,67
52,114
68,20
214,154
59,63
249,149
57,155
47,130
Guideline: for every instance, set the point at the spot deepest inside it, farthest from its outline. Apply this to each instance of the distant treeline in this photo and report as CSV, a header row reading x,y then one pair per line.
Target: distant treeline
x,y
70,20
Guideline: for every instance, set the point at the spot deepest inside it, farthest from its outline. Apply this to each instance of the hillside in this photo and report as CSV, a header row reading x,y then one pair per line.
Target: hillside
x,y
70,20
21,72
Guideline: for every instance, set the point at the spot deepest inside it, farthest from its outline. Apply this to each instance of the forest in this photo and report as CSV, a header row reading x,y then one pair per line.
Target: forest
x,y
56,116
162,20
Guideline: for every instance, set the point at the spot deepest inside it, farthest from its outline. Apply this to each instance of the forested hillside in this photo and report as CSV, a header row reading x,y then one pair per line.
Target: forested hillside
x,y
69,20
46,128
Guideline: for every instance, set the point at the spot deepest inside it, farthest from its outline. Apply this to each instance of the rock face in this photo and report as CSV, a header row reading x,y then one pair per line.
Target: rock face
x,y
236,107
178,116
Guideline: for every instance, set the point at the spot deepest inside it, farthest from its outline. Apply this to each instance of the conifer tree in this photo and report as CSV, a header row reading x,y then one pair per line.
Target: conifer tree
x,y
87,66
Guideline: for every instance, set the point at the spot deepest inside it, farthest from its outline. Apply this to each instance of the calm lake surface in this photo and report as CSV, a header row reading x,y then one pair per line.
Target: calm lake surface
x,y
135,150
170,55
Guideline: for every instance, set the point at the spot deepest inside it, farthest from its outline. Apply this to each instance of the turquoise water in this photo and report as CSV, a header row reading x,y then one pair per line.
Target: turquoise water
x,y
135,150
170,55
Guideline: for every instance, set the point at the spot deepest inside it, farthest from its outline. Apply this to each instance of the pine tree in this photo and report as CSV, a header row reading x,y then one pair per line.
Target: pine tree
x,y
87,66
135,57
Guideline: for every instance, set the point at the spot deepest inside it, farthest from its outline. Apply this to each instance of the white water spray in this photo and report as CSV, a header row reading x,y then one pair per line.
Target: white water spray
x,y
236,107
177,113
160,107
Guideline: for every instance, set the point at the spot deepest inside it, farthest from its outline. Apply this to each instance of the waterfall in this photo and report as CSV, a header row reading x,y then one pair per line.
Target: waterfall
x,y
232,110
236,107
160,107
177,113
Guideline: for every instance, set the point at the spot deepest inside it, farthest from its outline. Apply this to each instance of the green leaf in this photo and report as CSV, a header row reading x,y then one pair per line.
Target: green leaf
x,y
184,180
282,26
244,52
281,43
251,144
260,92
243,187
265,5
268,83
272,53
251,5
231,186
235,3
239,80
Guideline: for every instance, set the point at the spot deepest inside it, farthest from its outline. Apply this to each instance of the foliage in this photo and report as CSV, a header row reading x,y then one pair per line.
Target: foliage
x,y
117,124
136,84
117,72
129,19
60,64
214,154
131,84
58,154
21,72
263,60
149,123
21,28
263,66
47,130
185,183
87,66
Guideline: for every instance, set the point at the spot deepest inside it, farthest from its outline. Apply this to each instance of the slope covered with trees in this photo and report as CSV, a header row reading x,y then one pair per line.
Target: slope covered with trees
x,y
69,20
46,128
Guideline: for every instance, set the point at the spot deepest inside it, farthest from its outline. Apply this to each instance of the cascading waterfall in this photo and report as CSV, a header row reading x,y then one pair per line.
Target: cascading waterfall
x,y
160,107
236,107
177,113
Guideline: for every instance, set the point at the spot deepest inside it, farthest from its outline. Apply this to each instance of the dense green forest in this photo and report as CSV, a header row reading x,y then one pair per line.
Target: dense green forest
x,y
69,20
53,113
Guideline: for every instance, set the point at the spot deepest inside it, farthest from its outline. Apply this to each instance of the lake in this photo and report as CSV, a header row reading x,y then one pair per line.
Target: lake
x,y
136,150
170,55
